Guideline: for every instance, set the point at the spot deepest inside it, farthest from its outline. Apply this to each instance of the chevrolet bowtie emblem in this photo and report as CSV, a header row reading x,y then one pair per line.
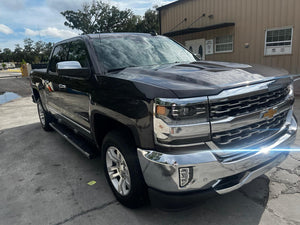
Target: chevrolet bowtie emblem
x,y
270,113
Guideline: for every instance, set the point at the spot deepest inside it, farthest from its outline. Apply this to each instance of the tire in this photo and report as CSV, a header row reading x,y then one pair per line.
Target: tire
x,y
122,170
44,116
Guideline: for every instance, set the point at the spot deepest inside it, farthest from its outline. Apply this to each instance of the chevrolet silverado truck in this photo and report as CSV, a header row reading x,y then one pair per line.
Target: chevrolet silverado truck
x,y
169,127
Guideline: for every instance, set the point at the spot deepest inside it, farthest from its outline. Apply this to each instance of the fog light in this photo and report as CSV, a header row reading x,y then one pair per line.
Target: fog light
x,y
185,176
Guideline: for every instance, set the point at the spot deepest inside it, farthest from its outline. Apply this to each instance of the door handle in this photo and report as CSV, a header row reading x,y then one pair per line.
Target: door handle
x,y
62,86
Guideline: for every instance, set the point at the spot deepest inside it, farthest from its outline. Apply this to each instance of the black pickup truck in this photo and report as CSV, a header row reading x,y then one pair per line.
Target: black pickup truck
x,y
168,126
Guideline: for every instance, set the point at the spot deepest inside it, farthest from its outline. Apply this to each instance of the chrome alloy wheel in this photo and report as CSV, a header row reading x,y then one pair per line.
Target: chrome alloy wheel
x,y
41,114
118,171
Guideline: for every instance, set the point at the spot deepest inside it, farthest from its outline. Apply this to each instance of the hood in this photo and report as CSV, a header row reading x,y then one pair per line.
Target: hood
x,y
194,79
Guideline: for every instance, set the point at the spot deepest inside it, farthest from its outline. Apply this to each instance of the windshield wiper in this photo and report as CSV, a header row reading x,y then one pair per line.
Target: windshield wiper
x,y
120,69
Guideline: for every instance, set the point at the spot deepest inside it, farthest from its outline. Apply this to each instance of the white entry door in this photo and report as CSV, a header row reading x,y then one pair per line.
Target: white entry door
x,y
197,47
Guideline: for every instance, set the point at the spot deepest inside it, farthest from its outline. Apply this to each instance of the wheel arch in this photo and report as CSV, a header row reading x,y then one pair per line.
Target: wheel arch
x,y
35,94
103,124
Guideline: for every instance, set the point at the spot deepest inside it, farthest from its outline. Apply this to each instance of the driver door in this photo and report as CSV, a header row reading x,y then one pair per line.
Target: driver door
x,y
52,80
75,91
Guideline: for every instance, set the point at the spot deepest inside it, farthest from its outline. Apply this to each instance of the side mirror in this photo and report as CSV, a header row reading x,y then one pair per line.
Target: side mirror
x,y
72,69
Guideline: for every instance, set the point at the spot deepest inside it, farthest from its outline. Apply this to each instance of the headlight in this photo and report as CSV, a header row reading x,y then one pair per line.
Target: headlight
x,y
173,111
181,122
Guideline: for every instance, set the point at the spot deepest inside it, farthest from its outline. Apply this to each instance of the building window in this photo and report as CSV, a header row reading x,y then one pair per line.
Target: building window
x,y
279,41
224,44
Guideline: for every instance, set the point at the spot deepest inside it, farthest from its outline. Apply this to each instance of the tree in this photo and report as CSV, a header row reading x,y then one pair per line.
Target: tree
x,y
18,53
33,52
28,45
47,51
39,47
28,50
100,17
149,23
6,55
38,51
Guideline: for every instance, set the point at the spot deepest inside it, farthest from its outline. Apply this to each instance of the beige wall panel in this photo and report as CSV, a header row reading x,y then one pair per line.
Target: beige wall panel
x,y
251,18
279,23
237,37
253,31
260,33
286,19
295,61
204,20
194,9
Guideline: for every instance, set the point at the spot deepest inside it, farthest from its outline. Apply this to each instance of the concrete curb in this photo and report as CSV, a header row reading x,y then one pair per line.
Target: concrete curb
x,y
10,75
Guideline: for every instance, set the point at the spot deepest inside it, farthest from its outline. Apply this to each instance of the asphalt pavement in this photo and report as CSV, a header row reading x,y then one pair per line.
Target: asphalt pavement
x,y
44,180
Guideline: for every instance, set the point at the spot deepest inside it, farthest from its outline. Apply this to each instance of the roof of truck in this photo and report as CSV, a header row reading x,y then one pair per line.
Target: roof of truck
x,y
99,35
116,34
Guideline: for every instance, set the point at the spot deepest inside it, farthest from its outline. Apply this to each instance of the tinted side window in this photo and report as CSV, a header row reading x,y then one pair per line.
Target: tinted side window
x,y
60,54
78,52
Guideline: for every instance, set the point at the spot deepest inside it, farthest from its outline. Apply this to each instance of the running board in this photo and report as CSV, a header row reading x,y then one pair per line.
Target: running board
x,y
78,142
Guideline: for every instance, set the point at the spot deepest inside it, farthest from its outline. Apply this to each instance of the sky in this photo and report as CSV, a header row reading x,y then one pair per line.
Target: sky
x,y
41,19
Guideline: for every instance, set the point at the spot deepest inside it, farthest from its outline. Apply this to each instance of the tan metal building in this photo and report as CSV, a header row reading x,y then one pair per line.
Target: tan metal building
x,y
248,31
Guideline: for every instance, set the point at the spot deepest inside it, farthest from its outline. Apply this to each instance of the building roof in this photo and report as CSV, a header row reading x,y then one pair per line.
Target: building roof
x,y
170,4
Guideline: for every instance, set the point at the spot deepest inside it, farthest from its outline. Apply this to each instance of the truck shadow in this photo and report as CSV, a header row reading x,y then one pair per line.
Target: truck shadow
x,y
244,206
59,175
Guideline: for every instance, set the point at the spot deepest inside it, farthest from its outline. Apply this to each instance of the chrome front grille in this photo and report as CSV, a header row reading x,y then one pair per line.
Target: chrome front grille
x,y
248,117
250,134
237,107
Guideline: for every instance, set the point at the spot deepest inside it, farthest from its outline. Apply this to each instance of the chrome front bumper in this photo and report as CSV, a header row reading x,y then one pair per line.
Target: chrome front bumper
x,y
161,170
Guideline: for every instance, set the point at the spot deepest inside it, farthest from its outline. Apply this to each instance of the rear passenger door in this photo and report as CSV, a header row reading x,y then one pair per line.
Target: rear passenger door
x,y
75,91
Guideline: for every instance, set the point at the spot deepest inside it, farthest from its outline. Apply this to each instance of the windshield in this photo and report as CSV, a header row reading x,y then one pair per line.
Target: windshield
x,y
117,52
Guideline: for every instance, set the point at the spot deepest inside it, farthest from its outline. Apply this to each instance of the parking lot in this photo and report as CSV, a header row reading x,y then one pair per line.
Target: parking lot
x,y
44,181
